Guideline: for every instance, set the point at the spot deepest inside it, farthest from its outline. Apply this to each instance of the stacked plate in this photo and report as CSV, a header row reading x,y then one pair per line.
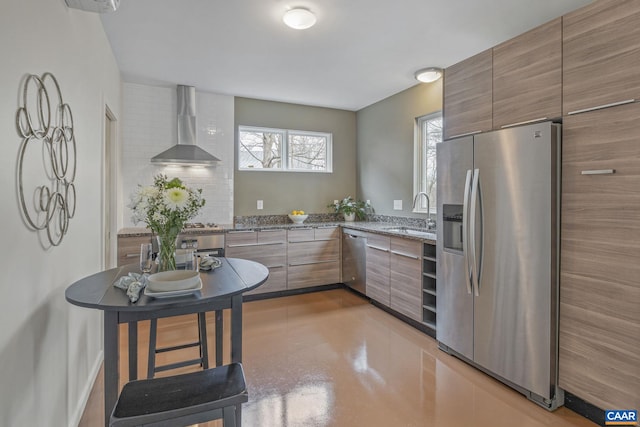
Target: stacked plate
x,y
173,283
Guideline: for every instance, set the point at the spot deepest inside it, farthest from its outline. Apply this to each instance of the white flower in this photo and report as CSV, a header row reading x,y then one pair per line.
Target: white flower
x,y
176,198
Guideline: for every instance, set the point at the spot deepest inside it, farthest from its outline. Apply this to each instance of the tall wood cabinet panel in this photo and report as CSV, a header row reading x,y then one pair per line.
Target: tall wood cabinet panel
x,y
527,76
601,54
600,257
405,277
377,251
468,87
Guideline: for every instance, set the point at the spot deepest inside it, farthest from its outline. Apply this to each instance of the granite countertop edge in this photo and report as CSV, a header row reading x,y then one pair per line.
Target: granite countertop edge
x,y
375,227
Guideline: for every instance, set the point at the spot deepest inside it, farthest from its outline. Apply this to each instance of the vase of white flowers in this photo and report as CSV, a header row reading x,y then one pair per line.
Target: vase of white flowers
x,y
165,206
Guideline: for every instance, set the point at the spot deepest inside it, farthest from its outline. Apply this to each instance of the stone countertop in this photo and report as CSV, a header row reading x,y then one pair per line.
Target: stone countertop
x,y
373,227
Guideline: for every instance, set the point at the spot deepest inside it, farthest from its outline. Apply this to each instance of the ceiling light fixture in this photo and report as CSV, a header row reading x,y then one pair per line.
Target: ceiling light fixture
x,y
299,18
428,75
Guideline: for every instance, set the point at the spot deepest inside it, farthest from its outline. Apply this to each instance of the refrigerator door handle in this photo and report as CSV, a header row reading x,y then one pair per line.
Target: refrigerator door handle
x,y
465,229
475,280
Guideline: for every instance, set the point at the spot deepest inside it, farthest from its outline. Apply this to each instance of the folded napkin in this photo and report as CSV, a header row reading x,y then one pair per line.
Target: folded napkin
x,y
133,283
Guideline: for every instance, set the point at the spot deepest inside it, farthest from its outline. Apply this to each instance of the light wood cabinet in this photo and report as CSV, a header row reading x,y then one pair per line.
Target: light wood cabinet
x,y
527,77
377,251
313,257
268,247
405,277
600,257
468,87
129,249
601,54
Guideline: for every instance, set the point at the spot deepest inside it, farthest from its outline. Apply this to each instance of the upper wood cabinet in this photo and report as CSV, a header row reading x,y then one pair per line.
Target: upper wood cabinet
x,y
600,257
527,76
601,54
468,96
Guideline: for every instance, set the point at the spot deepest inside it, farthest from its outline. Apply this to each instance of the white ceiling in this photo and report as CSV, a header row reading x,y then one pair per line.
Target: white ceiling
x,y
359,52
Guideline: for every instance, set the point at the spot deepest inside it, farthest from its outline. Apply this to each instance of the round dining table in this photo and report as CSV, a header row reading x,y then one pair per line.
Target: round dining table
x,y
222,288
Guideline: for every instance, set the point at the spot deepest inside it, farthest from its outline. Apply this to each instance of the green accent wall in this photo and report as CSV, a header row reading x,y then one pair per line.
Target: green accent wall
x,y
283,192
386,147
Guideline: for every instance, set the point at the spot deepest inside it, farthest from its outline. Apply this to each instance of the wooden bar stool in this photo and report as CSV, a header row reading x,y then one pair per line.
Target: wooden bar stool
x,y
183,400
203,360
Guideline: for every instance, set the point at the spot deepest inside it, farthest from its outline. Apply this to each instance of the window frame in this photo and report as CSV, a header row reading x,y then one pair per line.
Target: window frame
x,y
419,157
284,155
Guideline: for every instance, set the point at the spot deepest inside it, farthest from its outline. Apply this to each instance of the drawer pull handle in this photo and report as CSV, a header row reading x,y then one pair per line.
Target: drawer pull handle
x,y
240,231
599,172
600,107
298,264
526,122
377,248
244,245
132,255
405,255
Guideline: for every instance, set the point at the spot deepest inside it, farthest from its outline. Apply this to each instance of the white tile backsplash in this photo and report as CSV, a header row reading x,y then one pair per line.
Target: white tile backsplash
x,y
149,127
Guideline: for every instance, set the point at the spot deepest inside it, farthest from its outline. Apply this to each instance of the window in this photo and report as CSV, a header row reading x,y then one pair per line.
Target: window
x,y
283,150
428,134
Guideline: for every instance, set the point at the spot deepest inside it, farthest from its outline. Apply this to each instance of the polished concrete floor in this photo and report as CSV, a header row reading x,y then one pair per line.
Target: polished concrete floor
x,y
332,359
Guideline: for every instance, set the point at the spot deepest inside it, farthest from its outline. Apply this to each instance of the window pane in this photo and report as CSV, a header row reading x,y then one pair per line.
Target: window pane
x,y
307,152
260,149
433,135
429,134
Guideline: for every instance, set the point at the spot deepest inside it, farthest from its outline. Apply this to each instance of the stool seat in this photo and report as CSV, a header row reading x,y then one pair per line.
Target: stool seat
x,y
182,400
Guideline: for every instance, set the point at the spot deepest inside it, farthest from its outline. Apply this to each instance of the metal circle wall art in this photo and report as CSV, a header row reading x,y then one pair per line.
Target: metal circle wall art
x,y
44,121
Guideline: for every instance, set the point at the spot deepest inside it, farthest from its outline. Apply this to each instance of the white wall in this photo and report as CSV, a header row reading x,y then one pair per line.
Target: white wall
x,y
150,127
50,350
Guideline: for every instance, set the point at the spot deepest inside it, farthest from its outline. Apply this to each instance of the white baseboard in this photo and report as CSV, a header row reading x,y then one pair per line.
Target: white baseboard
x,y
74,421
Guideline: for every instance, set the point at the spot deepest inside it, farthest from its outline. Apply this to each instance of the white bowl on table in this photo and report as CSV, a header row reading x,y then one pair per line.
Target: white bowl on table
x,y
298,219
173,280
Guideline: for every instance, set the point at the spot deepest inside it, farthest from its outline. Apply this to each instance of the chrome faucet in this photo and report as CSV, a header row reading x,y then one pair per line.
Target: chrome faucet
x,y
430,222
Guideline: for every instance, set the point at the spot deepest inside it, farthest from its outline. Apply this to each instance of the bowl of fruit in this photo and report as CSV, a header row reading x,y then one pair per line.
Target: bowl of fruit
x,y
298,217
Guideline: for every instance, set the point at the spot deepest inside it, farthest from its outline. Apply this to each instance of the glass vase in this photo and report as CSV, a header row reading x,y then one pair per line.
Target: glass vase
x,y
167,251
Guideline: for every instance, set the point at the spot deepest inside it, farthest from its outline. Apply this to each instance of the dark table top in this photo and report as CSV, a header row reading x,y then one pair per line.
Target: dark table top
x,y
235,276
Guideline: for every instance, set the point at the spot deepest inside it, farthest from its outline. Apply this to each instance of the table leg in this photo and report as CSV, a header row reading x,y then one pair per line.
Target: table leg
x,y
219,333
110,363
236,328
133,351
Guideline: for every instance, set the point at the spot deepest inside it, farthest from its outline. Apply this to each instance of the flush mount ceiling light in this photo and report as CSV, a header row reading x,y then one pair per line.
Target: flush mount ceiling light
x,y
299,18
428,75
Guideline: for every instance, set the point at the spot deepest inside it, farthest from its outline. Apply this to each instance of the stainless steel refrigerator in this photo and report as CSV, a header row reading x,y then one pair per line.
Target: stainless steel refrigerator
x,y
497,253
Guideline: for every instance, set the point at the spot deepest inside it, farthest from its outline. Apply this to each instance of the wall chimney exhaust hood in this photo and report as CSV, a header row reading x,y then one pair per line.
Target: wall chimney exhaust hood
x,y
186,152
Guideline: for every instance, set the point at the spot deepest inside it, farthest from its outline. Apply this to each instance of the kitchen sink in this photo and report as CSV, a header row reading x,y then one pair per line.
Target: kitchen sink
x,y
413,232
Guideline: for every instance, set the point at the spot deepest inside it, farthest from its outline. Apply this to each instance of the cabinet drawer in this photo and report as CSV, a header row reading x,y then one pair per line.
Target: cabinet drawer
x,y
277,281
327,233
272,236
314,251
270,255
307,275
129,249
406,247
378,241
235,238
301,235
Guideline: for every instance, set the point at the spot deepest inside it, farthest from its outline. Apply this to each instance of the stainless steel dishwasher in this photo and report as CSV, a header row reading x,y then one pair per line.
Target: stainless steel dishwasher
x,y
354,259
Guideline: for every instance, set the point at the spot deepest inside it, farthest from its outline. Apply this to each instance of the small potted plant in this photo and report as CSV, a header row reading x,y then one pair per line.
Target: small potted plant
x,y
351,209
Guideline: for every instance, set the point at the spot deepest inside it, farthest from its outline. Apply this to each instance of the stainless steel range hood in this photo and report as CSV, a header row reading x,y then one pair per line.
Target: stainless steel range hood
x,y
186,152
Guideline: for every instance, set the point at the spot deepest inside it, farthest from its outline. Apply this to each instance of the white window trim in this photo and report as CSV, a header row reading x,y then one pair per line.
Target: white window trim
x,y
285,149
418,161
